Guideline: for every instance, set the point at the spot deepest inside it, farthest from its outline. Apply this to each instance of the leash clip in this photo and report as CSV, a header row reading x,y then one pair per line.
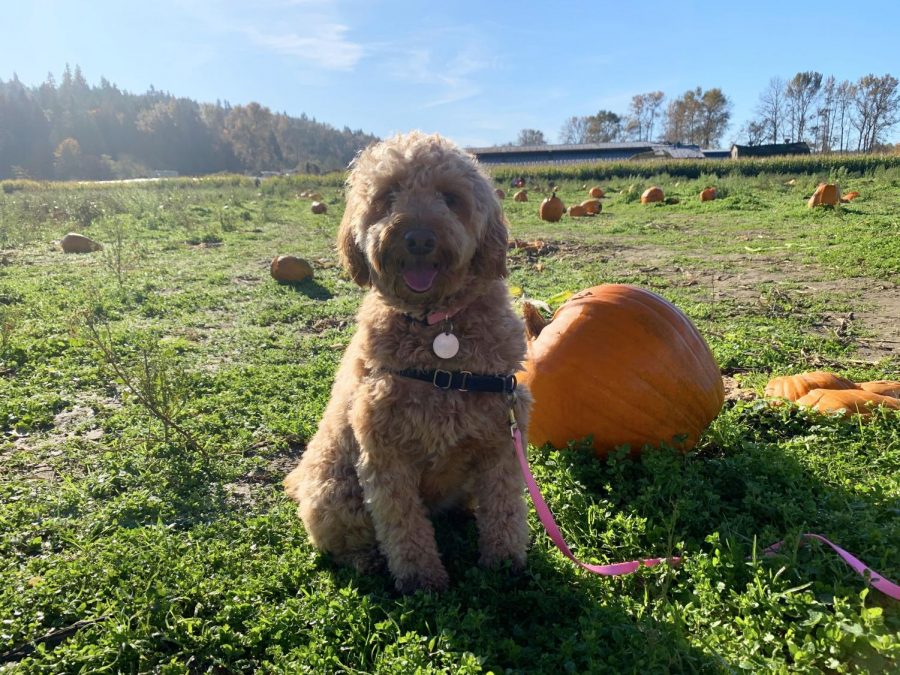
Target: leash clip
x,y
513,424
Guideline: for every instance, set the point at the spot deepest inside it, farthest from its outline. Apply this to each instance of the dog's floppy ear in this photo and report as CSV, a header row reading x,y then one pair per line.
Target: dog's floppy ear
x,y
490,259
350,254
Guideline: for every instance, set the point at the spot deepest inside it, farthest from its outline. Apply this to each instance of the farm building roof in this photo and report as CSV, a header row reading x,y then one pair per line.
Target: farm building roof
x,y
769,149
586,152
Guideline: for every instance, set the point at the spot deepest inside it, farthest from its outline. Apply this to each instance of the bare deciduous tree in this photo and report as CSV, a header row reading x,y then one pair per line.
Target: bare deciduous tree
x,y
826,114
574,130
844,97
604,127
877,104
531,137
771,109
643,111
800,95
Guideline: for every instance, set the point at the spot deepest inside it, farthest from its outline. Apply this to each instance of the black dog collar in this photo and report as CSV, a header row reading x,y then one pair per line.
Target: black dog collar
x,y
463,380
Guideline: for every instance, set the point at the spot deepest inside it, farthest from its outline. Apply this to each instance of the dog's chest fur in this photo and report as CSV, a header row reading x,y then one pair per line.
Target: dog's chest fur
x,y
420,419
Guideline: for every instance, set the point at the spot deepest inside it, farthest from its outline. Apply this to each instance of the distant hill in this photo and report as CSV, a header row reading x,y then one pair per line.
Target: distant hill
x,y
75,130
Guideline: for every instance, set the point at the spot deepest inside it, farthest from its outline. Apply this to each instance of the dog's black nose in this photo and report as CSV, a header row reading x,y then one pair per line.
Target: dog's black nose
x,y
420,241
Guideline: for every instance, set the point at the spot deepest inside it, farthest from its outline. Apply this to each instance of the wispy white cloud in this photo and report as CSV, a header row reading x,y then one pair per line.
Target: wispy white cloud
x,y
447,78
311,32
325,45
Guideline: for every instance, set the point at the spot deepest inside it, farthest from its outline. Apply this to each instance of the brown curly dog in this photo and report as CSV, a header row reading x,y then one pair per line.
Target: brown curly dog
x,y
408,432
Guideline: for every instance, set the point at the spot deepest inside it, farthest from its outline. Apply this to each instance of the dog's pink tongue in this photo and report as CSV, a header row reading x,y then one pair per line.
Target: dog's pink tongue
x,y
420,279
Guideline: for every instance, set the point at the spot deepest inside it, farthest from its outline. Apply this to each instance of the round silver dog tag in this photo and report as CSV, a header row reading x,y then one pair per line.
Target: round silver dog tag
x,y
445,345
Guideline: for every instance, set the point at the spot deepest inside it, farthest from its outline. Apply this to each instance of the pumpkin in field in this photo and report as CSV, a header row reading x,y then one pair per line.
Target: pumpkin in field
x,y
521,196
318,207
622,365
883,387
290,268
827,194
652,194
847,401
793,387
596,192
500,193
850,196
78,243
708,194
552,209
592,206
577,211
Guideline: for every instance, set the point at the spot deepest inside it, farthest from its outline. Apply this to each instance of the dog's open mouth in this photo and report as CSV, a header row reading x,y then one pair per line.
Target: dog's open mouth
x,y
420,276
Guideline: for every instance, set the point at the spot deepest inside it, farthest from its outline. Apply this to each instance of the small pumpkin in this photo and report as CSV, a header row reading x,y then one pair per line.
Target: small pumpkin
x,y
709,194
652,194
577,211
289,268
521,196
827,194
318,207
78,243
500,193
793,387
847,401
552,208
596,192
592,206
850,196
623,365
883,387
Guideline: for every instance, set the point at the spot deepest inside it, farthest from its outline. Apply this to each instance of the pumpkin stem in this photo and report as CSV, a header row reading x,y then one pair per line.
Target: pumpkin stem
x,y
534,322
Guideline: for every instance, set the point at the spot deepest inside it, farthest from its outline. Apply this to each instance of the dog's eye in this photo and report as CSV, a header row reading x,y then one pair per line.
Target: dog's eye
x,y
385,200
450,199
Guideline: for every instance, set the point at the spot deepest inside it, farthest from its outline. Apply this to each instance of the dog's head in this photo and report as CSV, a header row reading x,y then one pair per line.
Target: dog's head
x,y
422,222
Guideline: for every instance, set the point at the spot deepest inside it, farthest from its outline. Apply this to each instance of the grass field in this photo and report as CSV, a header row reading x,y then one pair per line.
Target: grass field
x,y
130,544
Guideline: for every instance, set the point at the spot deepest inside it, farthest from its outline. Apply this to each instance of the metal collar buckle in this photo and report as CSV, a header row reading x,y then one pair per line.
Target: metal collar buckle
x,y
449,379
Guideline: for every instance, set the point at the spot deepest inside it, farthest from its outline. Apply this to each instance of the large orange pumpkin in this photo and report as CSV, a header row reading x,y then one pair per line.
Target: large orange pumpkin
x,y
793,387
592,206
290,268
847,401
596,192
622,365
827,194
709,194
883,387
552,209
652,194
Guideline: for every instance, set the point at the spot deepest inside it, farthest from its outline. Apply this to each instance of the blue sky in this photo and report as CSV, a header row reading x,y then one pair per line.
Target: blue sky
x,y
477,72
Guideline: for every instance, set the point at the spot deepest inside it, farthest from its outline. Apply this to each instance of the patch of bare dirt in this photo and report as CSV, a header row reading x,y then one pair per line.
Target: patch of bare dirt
x,y
245,490
734,390
870,321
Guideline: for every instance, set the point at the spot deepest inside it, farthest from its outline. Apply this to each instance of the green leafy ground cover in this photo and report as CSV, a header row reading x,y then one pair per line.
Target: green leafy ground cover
x,y
132,545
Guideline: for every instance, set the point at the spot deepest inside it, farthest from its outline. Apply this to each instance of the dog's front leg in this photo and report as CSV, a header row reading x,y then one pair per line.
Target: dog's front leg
x,y
501,511
402,527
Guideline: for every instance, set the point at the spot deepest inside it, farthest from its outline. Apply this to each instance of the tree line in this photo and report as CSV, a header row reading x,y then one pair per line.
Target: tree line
x,y
72,130
827,114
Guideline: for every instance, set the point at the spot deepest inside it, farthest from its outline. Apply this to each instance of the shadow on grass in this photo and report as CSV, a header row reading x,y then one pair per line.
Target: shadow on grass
x,y
787,472
549,618
310,288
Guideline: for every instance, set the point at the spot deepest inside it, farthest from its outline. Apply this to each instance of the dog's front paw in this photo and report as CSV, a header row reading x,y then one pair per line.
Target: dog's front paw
x,y
434,579
493,559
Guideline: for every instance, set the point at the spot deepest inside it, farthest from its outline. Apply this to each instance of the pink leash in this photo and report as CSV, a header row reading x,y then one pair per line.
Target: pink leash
x,y
546,517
